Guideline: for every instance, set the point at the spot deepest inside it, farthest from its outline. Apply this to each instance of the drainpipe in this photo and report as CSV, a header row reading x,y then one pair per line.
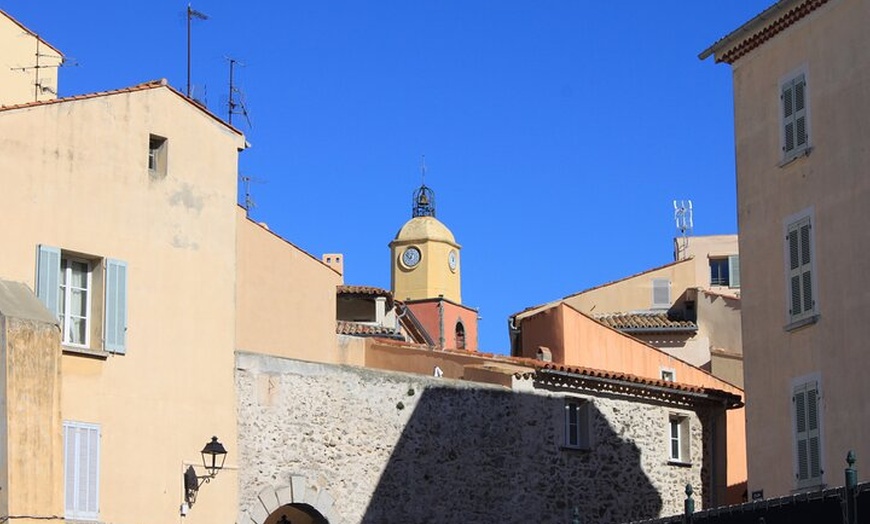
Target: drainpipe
x,y
441,321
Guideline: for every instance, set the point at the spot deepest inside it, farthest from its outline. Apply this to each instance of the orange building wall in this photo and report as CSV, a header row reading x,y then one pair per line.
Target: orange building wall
x,y
427,312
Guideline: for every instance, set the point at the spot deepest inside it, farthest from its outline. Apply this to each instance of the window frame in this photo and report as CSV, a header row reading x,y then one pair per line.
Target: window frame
x,y
158,155
794,224
682,423
804,385
65,293
790,82
581,409
671,371
91,463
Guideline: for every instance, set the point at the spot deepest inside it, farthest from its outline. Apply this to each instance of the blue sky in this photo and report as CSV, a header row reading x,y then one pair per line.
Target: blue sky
x,y
556,134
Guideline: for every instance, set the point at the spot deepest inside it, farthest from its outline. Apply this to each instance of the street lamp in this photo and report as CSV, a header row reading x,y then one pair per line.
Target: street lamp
x,y
213,456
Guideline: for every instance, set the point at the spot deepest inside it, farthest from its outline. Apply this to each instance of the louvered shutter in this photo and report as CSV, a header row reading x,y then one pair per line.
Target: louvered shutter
x,y
813,436
48,277
116,306
807,434
81,470
788,118
800,407
661,293
800,269
734,270
800,113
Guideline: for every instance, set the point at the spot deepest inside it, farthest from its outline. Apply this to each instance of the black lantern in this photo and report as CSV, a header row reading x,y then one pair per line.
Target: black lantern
x,y
213,456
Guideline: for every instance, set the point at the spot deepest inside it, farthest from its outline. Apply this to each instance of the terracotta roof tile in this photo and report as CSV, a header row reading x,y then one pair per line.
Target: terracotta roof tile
x,y
365,291
154,84
359,329
646,322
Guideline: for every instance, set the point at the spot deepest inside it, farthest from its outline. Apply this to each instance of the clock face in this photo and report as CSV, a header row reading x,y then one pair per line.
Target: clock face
x,y
411,256
452,260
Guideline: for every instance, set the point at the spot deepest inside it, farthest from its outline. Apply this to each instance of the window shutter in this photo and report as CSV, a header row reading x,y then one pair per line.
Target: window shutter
x,y
807,433
661,292
48,277
116,306
813,437
800,269
734,270
800,112
81,470
800,406
788,118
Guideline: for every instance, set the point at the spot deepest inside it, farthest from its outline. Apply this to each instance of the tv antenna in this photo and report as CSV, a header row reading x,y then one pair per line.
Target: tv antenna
x,y
191,14
685,224
233,107
37,83
249,200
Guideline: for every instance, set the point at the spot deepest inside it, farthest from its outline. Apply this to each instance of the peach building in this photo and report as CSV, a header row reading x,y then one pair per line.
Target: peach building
x,y
801,77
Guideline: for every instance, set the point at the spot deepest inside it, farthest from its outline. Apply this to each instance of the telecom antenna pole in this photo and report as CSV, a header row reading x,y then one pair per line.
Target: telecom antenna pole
x,y
191,13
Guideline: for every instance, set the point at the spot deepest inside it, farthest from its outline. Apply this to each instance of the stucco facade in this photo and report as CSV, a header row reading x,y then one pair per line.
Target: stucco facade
x,y
804,165
419,449
24,77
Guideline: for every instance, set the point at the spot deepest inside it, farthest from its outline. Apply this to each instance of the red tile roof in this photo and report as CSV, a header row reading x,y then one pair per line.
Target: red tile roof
x,y
646,322
344,327
154,84
365,291
760,29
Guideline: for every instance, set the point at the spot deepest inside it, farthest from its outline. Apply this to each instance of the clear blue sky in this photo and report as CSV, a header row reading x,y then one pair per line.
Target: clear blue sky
x,y
556,134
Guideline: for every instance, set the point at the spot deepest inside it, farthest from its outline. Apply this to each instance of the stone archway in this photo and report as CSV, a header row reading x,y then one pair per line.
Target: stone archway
x,y
301,499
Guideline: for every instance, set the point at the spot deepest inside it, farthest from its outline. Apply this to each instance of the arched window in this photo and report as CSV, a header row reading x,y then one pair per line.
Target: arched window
x,y
460,335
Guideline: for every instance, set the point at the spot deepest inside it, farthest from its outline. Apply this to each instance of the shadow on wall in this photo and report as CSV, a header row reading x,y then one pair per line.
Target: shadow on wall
x,y
487,456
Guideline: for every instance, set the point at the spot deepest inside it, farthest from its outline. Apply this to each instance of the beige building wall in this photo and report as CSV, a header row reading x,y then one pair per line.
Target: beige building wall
x,y
434,275
20,80
85,187
830,182
703,248
285,299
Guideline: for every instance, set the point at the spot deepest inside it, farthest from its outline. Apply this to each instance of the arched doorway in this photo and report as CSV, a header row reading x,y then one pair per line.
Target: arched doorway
x,y
296,513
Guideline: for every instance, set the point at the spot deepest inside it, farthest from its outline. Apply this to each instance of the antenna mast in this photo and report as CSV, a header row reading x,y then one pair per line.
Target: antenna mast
x,y
191,13
685,224
231,101
37,84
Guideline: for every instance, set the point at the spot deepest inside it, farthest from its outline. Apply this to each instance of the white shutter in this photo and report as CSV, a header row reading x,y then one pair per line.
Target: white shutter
x,y
81,470
48,277
734,271
661,293
116,306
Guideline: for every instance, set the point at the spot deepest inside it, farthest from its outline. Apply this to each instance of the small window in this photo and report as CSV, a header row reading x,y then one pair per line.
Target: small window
x,y
157,155
460,335
661,294
81,466
578,424
808,444
795,124
678,439
725,271
668,375
800,269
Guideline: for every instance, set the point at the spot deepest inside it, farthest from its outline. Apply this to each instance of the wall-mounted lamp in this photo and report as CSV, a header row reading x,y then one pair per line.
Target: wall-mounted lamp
x,y
213,456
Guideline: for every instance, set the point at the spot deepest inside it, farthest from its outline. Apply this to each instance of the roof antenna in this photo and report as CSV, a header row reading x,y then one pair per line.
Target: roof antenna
x,y
233,107
38,88
685,224
191,13
249,199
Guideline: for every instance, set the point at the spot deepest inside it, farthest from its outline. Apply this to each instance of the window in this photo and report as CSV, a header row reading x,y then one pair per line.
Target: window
x,y
800,269
725,271
157,155
808,445
795,128
88,295
578,424
661,295
81,466
678,439
668,375
460,335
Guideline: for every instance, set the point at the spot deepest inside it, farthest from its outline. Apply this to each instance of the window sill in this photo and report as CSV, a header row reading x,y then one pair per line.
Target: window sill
x,y
797,324
805,153
679,463
810,488
576,448
85,352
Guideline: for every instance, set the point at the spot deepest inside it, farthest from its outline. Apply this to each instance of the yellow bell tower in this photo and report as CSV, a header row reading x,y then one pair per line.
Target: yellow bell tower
x,y
425,256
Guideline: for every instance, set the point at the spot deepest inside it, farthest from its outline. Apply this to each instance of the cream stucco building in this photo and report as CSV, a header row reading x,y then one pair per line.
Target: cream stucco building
x,y
801,78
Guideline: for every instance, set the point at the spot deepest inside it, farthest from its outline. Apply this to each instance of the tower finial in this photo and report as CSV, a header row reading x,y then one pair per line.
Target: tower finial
x,y
423,201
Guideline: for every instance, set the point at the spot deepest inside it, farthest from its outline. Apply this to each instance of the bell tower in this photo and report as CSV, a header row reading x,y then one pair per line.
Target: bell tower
x,y
425,255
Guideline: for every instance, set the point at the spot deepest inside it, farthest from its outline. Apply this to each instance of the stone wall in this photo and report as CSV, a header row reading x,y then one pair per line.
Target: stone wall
x,y
366,446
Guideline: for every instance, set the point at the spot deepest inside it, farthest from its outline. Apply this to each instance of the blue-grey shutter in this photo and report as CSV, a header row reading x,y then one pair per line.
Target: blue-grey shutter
x,y
48,277
800,113
788,118
734,270
116,306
